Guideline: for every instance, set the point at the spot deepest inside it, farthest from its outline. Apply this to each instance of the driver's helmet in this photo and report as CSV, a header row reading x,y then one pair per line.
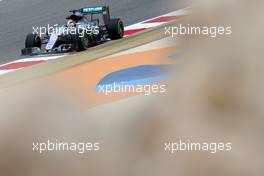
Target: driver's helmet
x,y
71,23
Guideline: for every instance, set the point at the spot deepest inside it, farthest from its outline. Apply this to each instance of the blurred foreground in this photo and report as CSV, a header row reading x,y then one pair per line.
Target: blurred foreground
x,y
215,95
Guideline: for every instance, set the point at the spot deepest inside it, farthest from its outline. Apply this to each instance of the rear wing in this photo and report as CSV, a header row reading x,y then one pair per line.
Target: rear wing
x,y
104,10
94,10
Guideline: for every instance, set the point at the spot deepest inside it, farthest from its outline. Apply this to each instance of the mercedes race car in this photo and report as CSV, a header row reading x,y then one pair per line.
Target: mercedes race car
x,y
83,30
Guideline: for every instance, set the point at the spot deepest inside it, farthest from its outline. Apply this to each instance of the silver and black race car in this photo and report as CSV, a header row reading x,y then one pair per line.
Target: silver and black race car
x,y
91,26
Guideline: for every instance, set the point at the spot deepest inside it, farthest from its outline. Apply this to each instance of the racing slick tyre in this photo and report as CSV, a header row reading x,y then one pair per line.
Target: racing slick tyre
x,y
115,28
33,40
80,43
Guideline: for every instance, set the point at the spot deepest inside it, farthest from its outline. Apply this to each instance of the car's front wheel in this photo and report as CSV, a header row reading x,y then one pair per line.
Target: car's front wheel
x,y
33,40
80,43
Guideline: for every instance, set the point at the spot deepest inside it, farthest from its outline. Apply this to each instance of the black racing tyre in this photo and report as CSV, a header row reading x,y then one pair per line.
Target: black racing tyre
x,y
85,41
115,28
33,40
80,43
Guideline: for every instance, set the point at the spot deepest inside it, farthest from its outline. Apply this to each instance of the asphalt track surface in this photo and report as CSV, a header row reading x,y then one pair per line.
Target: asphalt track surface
x,y
17,17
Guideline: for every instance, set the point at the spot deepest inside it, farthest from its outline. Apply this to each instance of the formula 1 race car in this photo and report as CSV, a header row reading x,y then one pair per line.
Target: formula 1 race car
x,y
82,31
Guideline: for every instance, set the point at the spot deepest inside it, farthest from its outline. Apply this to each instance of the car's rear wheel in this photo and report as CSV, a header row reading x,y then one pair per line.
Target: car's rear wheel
x,y
115,28
33,40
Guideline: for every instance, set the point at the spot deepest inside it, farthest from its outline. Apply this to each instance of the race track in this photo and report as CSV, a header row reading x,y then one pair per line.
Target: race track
x,y
17,17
